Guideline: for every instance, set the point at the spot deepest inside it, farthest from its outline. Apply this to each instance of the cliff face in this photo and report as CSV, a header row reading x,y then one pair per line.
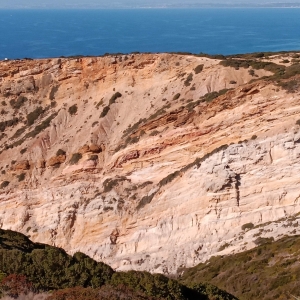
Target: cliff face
x,y
126,158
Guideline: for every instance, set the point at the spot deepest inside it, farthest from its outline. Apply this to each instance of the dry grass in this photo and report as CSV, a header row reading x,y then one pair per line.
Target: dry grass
x,y
29,296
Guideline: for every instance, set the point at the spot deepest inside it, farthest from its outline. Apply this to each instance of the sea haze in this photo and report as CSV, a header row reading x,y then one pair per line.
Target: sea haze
x,y
54,33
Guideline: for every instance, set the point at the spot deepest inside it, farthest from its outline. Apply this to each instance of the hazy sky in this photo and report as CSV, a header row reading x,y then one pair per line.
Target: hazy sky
x,y
135,3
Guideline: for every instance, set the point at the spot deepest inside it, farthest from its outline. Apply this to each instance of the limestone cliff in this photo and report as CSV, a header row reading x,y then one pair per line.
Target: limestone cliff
x,y
147,161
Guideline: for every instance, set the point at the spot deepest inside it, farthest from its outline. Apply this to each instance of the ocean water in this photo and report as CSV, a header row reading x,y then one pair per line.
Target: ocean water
x,y
54,33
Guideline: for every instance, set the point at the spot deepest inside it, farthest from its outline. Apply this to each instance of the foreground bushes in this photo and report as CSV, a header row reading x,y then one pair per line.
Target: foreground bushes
x,y
48,268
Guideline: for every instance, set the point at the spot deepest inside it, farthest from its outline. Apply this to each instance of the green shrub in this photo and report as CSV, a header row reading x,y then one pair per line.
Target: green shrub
x,y
211,96
188,80
291,86
21,177
60,152
261,240
41,127
114,97
23,150
4,184
251,72
177,96
53,92
93,157
32,117
75,158
99,103
248,226
154,133
8,123
104,111
17,104
198,69
73,109
221,248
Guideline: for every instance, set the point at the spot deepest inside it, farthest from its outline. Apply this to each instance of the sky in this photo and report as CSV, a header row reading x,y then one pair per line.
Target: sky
x,y
139,3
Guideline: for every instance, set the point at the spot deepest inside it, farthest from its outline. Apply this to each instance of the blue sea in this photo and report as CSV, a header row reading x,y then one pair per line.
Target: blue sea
x,y
54,33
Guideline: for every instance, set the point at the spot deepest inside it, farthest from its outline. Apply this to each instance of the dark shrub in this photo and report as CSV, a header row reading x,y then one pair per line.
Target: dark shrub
x,y
53,92
32,117
17,104
198,69
176,96
114,97
93,157
261,240
188,80
154,133
104,111
23,150
21,177
60,152
73,109
75,158
4,184
247,226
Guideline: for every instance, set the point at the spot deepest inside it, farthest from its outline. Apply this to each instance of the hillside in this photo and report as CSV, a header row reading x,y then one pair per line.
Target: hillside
x,y
270,271
150,162
51,269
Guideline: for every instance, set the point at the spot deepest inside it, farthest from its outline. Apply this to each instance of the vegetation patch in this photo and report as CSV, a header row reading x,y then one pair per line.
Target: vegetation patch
x,y
110,183
22,151
18,103
291,86
73,109
4,184
112,100
176,96
60,152
39,128
114,97
8,123
272,268
188,80
47,268
198,69
104,112
21,177
53,92
75,158
33,116
248,226
145,200
100,103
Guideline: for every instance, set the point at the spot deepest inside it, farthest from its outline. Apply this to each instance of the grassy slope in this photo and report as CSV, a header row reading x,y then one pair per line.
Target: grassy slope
x,y
270,271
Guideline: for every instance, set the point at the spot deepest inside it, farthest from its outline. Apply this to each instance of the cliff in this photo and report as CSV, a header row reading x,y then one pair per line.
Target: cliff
x,y
149,161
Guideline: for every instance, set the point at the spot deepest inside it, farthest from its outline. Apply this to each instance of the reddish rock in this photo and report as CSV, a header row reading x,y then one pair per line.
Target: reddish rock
x,y
84,149
95,148
56,160
22,165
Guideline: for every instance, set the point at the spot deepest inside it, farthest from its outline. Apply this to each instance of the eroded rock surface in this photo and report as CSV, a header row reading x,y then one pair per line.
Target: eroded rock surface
x,y
156,179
